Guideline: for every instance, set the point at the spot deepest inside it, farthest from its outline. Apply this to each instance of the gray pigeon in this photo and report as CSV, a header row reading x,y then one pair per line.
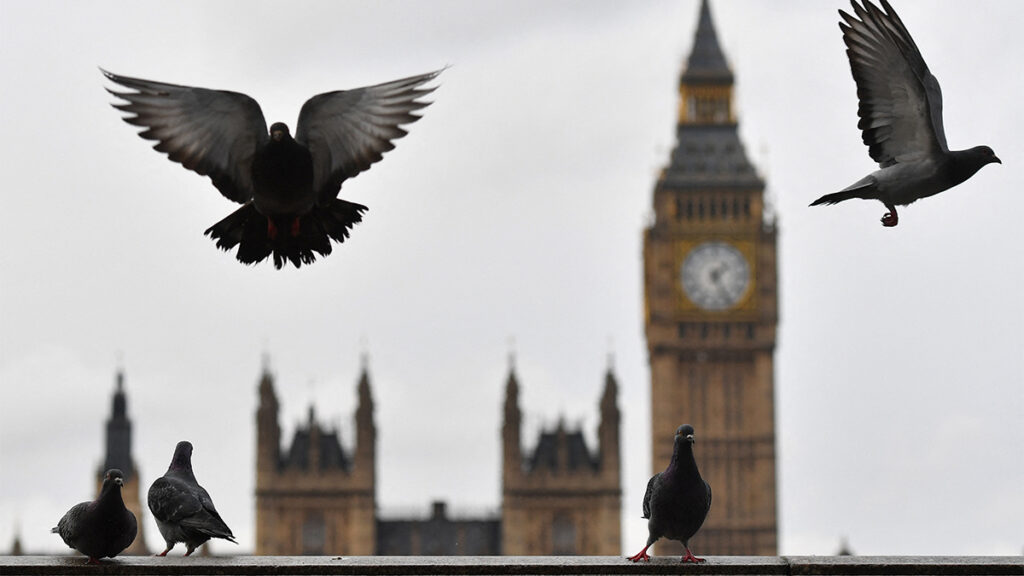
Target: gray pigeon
x,y
287,186
183,509
101,528
677,500
900,116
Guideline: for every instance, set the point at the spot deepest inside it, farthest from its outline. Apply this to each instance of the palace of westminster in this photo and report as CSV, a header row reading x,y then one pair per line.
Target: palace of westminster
x,y
710,315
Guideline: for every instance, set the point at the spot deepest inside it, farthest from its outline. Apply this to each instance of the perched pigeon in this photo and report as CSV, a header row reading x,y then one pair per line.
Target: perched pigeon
x,y
183,509
101,528
287,186
677,500
900,116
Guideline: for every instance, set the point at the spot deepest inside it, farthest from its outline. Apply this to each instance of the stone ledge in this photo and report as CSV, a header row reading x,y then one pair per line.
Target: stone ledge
x,y
518,565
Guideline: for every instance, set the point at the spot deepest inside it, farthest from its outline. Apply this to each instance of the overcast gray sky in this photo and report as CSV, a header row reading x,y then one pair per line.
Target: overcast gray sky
x,y
512,211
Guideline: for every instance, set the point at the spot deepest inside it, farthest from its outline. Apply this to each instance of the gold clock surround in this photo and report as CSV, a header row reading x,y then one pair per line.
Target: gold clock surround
x,y
746,305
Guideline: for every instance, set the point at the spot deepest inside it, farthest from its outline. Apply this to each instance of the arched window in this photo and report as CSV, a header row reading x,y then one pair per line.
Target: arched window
x,y
563,536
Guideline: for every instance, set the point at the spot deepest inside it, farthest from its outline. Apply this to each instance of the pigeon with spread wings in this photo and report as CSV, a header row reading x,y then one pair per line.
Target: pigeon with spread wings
x,y
900,116
287,186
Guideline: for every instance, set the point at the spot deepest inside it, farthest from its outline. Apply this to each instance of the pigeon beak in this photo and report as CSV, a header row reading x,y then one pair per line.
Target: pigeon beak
x,y
690,438
277,135
996,159
119,481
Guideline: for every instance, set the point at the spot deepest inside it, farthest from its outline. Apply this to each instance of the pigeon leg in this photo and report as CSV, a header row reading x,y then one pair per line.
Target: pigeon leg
x,y
891,218
296,226
93,560
271,229
690,557
190,550
164,553
641,555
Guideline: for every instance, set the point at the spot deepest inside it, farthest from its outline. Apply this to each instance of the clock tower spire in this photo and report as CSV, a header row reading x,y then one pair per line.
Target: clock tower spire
x,y
710,292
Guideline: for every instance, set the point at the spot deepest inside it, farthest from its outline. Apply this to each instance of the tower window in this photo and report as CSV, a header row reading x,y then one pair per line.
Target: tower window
x,y
700,209
735,208
746,207
689,209
313,534
563,536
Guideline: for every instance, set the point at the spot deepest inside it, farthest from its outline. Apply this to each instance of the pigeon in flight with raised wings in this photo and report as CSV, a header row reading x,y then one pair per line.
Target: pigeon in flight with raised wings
x,y
287,186
900,116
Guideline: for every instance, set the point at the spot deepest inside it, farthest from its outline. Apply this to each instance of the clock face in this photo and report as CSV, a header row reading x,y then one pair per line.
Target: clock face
x,y
715,275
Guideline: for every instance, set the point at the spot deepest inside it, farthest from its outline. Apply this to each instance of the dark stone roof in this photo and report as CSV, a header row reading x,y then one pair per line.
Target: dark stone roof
x,y
439,535
706,64
552,444
332,455
708,156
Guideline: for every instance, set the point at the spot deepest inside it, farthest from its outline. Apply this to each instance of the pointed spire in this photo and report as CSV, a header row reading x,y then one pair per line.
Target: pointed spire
x,y
707,64
511,383
363,389
119,433
16,549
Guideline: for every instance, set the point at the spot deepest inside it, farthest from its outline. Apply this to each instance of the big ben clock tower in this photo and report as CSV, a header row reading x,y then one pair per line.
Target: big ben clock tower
x,y
710,292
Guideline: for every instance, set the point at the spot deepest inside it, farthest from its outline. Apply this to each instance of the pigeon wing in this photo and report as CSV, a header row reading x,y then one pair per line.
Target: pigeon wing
x,y
209,521
348,130
652,484
214,133
900,101
170,502
68,527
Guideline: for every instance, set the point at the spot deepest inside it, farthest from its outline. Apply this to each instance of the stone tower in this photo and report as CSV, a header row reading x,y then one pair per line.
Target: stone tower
x,y
315,498
562,499
119,455
711,309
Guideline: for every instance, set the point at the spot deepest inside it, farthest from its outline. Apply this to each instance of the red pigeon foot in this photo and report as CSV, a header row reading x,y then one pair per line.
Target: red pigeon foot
x,y
890,219
691,558
641,555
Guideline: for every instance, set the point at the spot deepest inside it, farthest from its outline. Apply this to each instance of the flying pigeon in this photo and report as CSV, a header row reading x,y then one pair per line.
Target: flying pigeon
x,y
900,116
101,528
183,509
677,500
287,186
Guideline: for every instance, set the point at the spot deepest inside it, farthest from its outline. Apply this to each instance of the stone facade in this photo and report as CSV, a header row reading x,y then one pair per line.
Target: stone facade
x,y
711,307
315,498
562,499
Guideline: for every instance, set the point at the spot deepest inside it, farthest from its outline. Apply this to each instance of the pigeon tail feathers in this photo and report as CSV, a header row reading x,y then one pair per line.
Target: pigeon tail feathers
x,y
865,188
297,240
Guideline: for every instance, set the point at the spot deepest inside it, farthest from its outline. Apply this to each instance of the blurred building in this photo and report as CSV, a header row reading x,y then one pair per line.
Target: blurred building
x,y
316,498
439,534
711,307
563,498
119,455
